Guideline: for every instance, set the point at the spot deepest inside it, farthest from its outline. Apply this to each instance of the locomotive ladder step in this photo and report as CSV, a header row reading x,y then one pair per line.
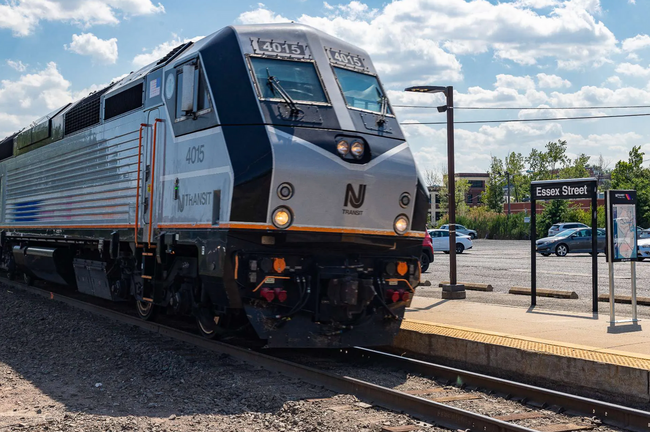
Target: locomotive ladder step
x,y
149,288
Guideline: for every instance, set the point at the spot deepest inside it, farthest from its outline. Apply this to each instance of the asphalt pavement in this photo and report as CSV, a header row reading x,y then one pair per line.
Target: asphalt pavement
x,y
506,263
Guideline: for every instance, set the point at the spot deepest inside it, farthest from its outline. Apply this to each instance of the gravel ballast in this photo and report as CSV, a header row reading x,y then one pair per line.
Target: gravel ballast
x,y
63,369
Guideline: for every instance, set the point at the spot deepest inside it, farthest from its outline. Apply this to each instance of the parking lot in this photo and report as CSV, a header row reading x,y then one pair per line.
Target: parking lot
x,y
506,263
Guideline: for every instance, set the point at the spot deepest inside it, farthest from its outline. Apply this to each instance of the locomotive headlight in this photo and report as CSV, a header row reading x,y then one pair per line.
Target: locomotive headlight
x,y
282,217
285,191
343,147
401,224
357,149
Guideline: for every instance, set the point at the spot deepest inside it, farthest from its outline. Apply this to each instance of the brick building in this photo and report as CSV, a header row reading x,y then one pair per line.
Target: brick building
x,y
477,185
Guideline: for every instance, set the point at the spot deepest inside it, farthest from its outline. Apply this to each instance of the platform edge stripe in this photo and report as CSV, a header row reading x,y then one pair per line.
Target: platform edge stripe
x,y
530,344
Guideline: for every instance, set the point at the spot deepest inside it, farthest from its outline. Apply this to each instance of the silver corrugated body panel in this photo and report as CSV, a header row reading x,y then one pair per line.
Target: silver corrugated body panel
x,y
88,178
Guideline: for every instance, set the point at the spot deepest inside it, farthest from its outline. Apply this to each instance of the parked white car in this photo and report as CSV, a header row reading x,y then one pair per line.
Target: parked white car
x,y
642,248
440,240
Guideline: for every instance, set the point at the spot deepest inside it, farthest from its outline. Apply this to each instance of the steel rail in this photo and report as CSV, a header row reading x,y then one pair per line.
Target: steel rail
x,y
420,408
608,413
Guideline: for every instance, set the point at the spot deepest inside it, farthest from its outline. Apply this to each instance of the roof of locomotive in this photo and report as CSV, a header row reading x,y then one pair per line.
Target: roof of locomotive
x,y
282,31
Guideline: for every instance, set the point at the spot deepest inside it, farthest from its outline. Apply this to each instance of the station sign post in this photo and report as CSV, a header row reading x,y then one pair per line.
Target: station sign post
x,y
620,214
564,189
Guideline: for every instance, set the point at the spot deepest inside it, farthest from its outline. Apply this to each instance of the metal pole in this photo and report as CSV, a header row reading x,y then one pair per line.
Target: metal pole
x,y
633,277
533,252
594,250
612,314
508,180
610,257
451,183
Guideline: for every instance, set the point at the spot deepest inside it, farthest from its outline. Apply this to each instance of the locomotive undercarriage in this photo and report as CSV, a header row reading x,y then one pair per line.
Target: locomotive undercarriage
x,y
317,291
292,293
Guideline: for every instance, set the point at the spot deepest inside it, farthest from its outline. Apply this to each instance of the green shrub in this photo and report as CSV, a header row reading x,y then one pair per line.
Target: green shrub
x,y
493,225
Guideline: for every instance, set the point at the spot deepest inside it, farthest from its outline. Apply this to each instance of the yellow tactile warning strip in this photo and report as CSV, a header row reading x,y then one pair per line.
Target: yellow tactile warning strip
x,y
529,344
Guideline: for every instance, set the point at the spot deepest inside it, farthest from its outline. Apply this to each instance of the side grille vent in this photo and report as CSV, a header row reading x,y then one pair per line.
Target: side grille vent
x,y
85,113
7,147
123,102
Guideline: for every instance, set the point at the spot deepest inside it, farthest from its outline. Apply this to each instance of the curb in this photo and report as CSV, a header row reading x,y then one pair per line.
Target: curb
x,y
644,301
543,292
471,286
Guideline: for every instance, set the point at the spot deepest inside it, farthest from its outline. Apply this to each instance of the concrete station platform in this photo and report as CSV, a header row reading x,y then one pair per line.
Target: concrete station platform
x,y
573,352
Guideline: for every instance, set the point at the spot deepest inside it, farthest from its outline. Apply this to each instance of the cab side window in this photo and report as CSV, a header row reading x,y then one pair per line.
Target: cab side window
x,y
192,96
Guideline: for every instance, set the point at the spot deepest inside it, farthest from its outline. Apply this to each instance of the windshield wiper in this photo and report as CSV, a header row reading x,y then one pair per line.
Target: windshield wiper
x,y
384,108
274,84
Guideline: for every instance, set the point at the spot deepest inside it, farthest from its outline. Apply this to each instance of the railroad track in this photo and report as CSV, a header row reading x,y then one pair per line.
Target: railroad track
x,y
607,413
427,410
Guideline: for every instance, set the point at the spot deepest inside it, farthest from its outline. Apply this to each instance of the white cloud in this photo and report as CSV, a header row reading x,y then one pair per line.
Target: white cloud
x,y
102,51
552,81
613,146
633,70
631,1
476,147
633,57
22,16
355,9
613,81
31,96
161,50
263,15
515,82
636,43
413,40
592,96
19,66
537,4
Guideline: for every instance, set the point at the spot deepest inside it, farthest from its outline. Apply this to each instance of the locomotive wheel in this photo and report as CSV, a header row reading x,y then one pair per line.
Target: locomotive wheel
x,y
207,323
146,310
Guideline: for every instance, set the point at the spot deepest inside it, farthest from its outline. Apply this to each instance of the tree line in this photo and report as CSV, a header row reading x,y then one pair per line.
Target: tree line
x,y
548,164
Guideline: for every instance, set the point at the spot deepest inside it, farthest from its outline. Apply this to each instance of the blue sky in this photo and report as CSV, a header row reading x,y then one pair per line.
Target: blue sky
x,y
513,53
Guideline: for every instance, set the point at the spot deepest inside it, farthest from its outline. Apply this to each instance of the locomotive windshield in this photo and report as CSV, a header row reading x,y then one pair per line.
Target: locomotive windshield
x,y
298,79
361,90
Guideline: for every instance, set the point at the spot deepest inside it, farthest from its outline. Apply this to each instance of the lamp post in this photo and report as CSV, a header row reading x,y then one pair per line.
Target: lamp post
x,y
453,290
508,184
508,180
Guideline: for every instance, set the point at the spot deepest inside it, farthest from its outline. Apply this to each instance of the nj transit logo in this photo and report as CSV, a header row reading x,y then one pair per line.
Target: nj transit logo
x,y
353,198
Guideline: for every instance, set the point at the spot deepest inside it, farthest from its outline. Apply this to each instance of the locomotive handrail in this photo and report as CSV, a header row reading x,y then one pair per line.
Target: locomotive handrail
x,y
137,199
153,176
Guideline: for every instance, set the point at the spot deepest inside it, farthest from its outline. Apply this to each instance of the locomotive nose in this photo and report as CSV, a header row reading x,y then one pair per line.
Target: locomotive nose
x,y
344,183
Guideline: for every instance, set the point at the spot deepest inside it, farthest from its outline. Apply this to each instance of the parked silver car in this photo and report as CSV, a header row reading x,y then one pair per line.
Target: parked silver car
x,y
460,229
561,226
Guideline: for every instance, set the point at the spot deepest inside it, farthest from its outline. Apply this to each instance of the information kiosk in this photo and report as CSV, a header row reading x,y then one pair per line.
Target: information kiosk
x,y
620,213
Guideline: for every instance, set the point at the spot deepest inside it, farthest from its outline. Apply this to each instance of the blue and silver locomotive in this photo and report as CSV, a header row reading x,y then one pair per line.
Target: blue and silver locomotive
x,y
257,177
